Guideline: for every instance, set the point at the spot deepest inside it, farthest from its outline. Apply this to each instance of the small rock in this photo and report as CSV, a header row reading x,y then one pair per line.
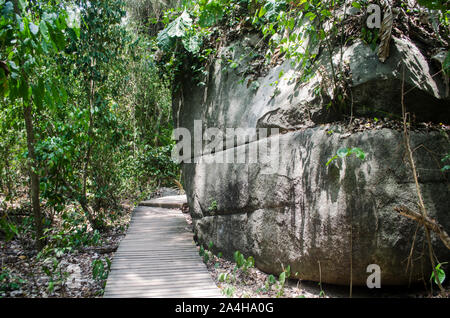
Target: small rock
x,y
16,293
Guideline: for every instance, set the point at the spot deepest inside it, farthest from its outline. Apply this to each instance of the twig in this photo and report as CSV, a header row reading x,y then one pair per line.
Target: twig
x,y
427,222
411,251
421,82
416,180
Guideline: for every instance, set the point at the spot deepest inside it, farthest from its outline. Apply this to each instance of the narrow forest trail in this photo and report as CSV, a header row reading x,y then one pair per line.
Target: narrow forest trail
x,y
158,257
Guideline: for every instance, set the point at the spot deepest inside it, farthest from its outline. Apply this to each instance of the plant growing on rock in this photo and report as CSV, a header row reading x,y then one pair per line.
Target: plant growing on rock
x,y
345,152
213,206
242,262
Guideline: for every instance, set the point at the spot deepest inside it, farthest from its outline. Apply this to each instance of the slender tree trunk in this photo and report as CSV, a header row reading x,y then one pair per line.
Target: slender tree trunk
x,y
90,132
34,177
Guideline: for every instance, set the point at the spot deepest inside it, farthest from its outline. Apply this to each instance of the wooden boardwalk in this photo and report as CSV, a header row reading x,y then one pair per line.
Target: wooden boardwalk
x,y
158,258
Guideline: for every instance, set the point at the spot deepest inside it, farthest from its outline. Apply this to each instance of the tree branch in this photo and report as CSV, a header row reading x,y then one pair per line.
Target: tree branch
x,y
426,221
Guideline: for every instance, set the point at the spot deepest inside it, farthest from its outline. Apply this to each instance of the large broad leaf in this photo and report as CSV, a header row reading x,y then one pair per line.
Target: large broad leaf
x,y
44,30
38,91
57,37
23,89
176,29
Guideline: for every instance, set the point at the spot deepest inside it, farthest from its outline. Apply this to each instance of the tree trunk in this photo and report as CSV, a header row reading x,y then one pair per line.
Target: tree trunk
x,y
34,178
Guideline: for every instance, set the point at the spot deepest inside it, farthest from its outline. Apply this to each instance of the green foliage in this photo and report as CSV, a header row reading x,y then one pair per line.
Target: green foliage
x,y
446,64
206,257
26,40
101,112
224,277
242,262
229,291
201,251
370,37
177,29
73,234
271,279
284,276
9,281
446,158
211,12
435,4
8,228
345,152
213,206
272,9
440,274
100,269
51,267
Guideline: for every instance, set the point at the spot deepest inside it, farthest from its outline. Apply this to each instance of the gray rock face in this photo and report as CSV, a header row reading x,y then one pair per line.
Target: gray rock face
x,y
376,89
306,212
302,212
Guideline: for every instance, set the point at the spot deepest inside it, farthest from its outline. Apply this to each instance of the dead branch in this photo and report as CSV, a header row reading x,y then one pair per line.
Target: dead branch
x,y
426,221
416,179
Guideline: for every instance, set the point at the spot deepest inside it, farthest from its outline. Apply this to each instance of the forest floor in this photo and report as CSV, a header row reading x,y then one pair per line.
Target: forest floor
x,y
254,283
74,263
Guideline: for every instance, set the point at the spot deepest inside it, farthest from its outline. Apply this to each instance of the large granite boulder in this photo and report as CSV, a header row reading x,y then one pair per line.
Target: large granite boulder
x,y
307,212
293,209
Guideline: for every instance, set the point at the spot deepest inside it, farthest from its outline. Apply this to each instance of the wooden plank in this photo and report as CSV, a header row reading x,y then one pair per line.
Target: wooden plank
x,y
170,202
158,258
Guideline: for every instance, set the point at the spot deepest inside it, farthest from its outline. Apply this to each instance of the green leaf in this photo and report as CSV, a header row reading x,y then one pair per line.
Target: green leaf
x,y
51,285
22,5
7,9
271,279
331,160
34,29
192,43
176,29
342,152
446,64
359,153
250,261
57,38
273,9
434,4
13,65
445,168
440,272
38,93
356,5
282,278
44,30
210,14
23,90
262,12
